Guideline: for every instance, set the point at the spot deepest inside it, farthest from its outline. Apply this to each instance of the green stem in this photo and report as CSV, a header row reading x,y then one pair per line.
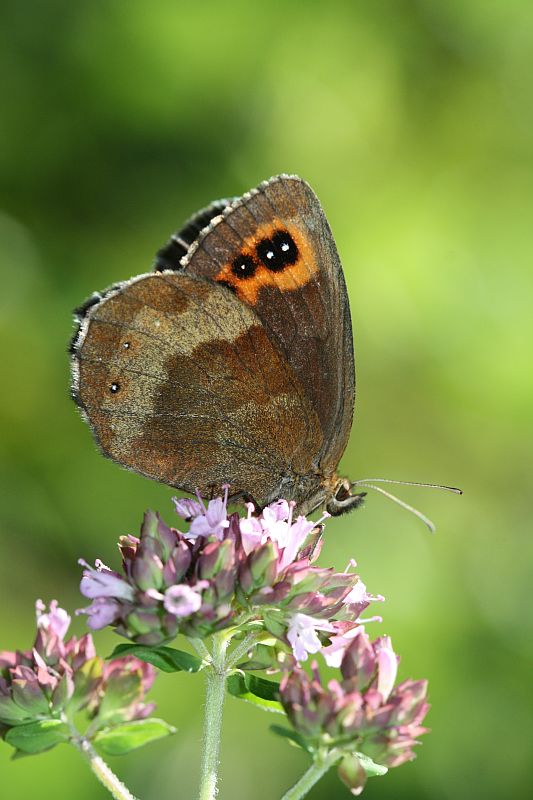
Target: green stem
x,y
104,774
214,700
318,768
242,649
200,647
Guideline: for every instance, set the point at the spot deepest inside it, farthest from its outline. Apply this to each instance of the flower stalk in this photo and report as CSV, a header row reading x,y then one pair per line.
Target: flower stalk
x,y
102,771
216,674
318,768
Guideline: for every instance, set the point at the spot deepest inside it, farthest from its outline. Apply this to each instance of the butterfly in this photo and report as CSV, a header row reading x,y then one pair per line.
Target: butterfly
x,y
232,362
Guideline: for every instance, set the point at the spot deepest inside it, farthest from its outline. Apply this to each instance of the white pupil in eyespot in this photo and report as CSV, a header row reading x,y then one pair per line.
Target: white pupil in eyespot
x,y
270,254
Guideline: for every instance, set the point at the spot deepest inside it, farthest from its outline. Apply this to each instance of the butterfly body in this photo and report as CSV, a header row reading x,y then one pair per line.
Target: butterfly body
x,y
232,362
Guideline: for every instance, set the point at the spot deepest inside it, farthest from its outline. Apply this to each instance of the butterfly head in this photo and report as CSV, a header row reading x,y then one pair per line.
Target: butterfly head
x,y
332,494
342,500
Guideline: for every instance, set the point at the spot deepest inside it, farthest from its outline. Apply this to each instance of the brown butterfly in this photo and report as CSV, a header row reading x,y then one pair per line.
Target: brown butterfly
x,y
233,362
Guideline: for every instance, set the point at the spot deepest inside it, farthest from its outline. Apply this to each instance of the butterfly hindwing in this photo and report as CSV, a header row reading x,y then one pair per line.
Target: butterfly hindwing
x,y
180,382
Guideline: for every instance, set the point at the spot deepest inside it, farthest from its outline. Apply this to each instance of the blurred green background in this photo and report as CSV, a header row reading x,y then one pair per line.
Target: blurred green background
x,y
413,121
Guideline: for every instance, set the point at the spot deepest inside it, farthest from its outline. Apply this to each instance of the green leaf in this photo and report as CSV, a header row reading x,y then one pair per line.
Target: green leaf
x,y
263,657
260,692
275,623
293,737
370,767
167,659
130,735
266,690
38,736
11,713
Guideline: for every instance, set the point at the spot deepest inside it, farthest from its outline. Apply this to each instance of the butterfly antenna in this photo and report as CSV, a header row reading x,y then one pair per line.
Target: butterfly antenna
x,y
429,524
408,483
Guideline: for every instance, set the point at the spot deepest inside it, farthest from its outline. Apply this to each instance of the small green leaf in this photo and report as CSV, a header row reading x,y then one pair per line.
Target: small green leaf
x,y
167,659
131,735
11,713
370,767
38,736
275,624
260,692
236,684
267,690
263,656
30,697
293,737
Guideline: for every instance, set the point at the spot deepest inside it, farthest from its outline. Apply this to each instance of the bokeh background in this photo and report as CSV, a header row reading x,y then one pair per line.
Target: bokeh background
x,y
413,121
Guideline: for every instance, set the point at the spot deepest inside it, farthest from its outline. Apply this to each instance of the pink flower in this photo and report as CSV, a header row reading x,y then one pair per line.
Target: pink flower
x,y
275,524
56,622
294,538
103,582
251,531
303,637
357,595
102,611
187,508
182,600
212,521
359,598
279,510
387,666
334,652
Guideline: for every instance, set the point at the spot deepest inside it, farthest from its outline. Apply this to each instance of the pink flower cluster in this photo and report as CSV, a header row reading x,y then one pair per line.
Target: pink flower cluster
x,y
225,571
362,712
58,677
258,573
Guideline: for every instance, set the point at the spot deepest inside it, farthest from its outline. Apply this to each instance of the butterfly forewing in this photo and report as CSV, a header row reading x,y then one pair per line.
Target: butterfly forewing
x,y
274,250
170,255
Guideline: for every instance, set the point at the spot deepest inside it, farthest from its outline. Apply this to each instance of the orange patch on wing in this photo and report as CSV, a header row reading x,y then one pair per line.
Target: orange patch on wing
x,y
292,277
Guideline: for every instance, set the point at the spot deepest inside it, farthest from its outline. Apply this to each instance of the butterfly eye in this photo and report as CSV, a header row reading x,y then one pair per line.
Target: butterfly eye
x,y
244,267
278,252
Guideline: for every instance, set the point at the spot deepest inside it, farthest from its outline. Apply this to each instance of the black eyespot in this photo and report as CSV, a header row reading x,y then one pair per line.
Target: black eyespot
x,y
114,388
278,252
126,345
284,242
244,267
